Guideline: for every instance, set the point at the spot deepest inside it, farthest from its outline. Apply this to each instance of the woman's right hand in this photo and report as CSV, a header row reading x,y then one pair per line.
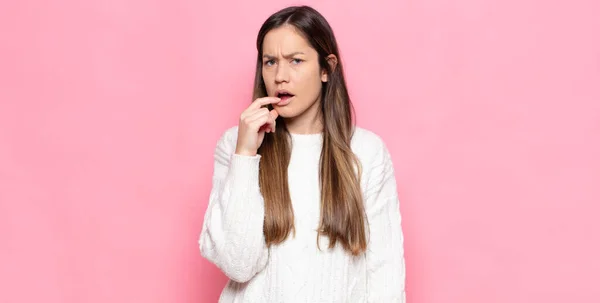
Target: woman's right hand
x,y
255,121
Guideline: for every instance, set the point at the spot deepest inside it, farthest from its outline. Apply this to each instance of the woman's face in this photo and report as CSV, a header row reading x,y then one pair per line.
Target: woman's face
x,y
291,71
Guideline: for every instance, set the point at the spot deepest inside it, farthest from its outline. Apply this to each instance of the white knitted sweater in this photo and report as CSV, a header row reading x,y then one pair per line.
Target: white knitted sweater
x,y
296,270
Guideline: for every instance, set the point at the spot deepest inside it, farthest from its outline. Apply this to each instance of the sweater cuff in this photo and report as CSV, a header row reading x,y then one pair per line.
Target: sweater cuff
x,y
244,172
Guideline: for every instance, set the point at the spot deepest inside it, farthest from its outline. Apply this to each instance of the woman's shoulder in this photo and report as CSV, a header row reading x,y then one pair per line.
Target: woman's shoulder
x,y
366,139
227,140
230,132
365,143
368,145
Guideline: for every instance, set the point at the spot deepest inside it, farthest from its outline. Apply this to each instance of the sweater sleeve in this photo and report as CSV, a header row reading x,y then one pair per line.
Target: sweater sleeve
x,y
385,250
232,232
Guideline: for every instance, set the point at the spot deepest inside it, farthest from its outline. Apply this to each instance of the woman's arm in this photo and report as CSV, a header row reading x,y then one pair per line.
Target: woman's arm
x,y
385,249
232,233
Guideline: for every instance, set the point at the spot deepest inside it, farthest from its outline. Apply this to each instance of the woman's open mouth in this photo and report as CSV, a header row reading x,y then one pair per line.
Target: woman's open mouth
x,y
285,97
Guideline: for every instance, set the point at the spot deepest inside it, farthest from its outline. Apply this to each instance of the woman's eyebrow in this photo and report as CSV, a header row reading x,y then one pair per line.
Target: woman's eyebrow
x,y
267,56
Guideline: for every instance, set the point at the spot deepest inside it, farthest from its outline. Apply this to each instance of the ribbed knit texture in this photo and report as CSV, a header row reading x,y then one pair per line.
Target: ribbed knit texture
x,y
296,270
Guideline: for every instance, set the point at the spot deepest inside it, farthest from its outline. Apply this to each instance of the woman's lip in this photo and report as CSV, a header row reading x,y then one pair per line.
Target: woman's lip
x,y
284,102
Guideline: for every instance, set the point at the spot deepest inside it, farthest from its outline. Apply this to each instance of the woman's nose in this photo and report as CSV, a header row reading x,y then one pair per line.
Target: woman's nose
x,y
282,74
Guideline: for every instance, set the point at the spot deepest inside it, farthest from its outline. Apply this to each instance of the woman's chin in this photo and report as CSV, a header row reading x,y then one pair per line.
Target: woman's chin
x,y
284,112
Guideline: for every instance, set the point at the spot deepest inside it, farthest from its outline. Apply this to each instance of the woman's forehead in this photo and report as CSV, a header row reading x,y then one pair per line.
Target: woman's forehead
x,y
285,41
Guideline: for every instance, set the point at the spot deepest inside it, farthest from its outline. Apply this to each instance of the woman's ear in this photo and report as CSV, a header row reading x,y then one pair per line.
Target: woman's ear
x,y
332,61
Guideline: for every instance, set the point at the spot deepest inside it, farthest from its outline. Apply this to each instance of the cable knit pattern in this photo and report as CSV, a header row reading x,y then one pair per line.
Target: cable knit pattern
x,y
296,270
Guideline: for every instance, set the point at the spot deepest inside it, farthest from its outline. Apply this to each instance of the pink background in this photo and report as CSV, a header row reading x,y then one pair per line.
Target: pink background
x,y
109,112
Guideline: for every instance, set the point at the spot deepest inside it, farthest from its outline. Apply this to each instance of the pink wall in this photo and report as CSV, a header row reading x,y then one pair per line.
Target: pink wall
x,y
109,112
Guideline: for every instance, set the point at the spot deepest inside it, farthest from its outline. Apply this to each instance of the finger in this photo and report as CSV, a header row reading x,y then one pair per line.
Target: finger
x,y
264,128
274,113
269,125
262,116
264,101
258,105
272,122
257,113
259,122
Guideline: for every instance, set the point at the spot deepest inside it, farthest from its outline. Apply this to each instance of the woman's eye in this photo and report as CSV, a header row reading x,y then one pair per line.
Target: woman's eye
x,y
269,63
297,61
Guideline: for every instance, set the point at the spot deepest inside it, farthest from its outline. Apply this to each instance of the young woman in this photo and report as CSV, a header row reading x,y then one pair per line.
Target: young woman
x,y
304,206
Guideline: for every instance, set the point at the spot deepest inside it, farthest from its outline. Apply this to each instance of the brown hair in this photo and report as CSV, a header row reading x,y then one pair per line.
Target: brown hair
x,y
342,210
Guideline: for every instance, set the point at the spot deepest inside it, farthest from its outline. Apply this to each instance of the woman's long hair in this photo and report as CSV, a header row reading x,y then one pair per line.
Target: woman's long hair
x,y
342,210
